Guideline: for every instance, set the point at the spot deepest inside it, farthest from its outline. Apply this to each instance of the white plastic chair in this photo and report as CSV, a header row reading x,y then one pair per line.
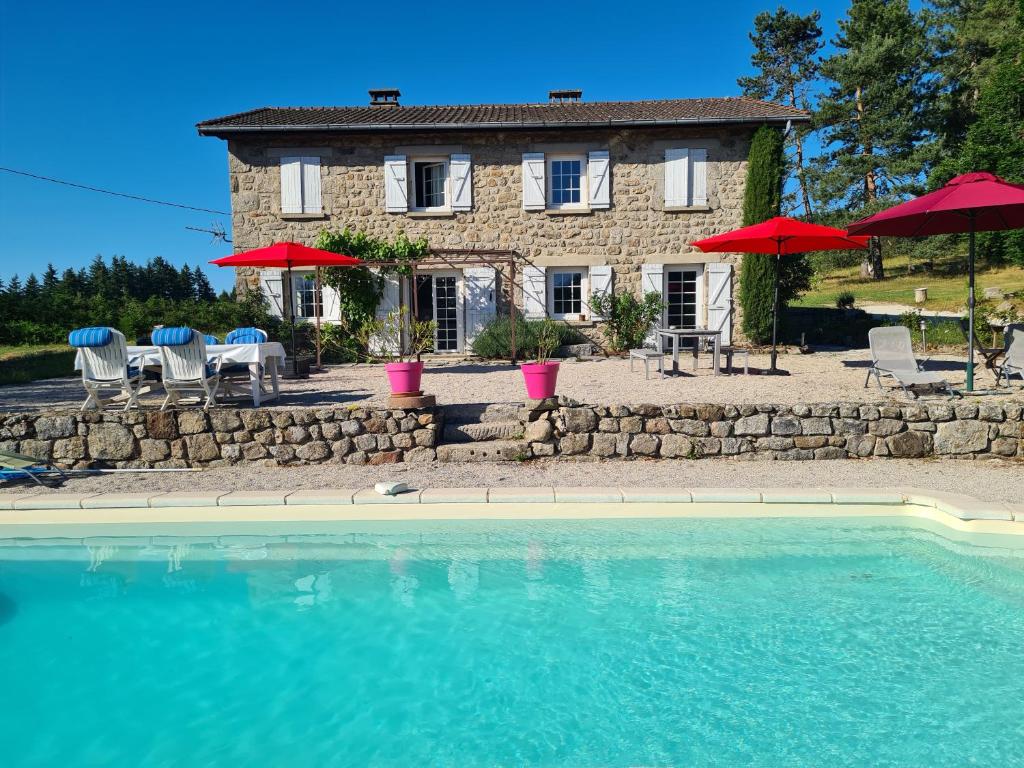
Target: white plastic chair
x,y
106,365
185,367
1013,362
892,355
239,373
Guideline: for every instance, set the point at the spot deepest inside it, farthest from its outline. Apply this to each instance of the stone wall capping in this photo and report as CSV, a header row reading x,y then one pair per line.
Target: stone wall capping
x,y
117,501
454,496
796,496
321,496
591,495
370,496
8,500
865,496
520,495
186,499
655,495
52,501
965,507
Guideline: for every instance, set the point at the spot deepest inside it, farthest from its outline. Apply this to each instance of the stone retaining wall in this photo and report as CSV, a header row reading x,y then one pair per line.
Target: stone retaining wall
x,y
221,437
823,431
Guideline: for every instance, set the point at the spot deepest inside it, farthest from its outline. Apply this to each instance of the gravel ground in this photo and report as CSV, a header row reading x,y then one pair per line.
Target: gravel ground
x,y
988,480
821,377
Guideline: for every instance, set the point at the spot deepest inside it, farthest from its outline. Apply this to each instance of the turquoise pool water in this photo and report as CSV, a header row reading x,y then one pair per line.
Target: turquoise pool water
x,y
606,643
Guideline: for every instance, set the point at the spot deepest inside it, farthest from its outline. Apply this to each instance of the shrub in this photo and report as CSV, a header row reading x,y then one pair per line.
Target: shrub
x,y
845,300
495,340
627,319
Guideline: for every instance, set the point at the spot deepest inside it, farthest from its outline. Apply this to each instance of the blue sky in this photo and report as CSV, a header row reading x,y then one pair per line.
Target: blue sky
x,y
108,93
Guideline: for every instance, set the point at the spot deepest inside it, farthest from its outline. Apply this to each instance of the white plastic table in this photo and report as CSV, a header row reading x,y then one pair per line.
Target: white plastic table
x,y
270,355
675,334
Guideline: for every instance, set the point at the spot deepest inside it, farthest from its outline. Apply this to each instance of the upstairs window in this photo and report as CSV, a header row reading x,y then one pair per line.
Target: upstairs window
x,y
566,181
300,185
430,185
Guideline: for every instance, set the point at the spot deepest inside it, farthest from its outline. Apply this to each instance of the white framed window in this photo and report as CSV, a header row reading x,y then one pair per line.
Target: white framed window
x,y
305,295
428,179
567,182
568,290
300,185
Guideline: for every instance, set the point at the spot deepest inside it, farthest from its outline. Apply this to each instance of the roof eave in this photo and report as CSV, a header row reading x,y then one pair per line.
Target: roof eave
x,y
225,130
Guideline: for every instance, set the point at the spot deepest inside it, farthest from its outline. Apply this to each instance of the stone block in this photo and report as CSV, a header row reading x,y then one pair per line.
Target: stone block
x,y
644,444
69,449
603,445
810,441
752,425
225,420
111,442
539,431
420,455
579,419
721,428
786,425
385,457
912,444
816,425
574,444
542,449
694,427
961,437
657,425
39,449
316,451
154,450
885,427
677,446
192,422
351,428
254,420
631,425
1004,446
55,427
202,447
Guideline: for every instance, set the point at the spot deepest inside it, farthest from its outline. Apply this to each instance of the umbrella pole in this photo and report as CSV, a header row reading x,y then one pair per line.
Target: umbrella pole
x,y
291,320
775,311
317,295
970,306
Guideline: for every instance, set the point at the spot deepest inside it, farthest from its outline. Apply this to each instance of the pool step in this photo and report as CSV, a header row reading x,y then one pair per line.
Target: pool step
x,y
493,450
482,431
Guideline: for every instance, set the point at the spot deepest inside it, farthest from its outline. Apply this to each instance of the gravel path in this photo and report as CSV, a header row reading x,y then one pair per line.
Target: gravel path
x,y
988,480
821,377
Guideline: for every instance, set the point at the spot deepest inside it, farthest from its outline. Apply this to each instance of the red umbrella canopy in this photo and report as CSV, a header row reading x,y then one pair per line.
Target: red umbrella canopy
x,y
992,203
783,236
287,255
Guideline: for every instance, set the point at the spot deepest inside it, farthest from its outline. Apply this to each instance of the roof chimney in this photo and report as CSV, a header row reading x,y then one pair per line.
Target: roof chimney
x,y
384,97
567,96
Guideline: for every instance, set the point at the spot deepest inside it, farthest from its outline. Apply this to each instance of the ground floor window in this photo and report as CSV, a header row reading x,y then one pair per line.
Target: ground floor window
x,y
566,291
307,297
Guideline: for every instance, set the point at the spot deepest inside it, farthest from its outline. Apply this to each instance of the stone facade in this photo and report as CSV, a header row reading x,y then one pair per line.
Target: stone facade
x,y
549,428
636,229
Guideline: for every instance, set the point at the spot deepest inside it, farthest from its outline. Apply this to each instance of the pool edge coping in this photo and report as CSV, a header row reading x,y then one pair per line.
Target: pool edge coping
x,y
957,511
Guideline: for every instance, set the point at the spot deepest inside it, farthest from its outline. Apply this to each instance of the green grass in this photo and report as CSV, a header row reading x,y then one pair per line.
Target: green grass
x,y
945,291
30,362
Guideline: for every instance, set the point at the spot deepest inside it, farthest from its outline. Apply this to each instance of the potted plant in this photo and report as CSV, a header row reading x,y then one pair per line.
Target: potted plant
x,y
384,339
541,376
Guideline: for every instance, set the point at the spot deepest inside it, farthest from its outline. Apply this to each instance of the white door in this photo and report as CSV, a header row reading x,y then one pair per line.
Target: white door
x,y
682,297
448,311
481,299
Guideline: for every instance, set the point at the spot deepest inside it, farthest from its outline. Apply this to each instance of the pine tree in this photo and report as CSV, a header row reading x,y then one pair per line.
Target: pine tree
x,y
785,50
50,279
873,116
203,289
762,198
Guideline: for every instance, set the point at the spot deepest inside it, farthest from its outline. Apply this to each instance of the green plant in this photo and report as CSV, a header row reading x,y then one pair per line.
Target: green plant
x,y
845,300
627,319
397,337
494,341
548,339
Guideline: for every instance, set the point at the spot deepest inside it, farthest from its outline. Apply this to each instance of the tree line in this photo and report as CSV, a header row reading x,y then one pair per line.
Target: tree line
x,y
119,293
903,101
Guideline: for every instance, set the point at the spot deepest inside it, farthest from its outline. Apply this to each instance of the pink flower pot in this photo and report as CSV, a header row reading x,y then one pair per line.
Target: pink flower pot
x,y
540,379
404,377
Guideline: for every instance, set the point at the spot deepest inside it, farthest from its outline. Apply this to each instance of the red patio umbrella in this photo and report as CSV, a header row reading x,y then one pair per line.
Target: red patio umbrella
x,y
781,236
288,255
974,202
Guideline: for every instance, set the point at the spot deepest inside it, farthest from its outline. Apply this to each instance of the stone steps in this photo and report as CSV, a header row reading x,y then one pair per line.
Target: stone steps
x,y
494,450
472,413
483,431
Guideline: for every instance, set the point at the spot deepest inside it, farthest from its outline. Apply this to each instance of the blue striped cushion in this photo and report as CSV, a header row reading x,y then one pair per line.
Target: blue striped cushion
x,y
210,339
172,337
246,336
90,337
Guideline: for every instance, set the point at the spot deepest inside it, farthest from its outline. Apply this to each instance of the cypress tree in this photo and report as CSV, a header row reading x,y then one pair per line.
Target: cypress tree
x,y
762,199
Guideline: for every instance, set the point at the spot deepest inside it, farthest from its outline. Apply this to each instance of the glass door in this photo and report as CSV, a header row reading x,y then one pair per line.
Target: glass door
x,y
438,298
681,300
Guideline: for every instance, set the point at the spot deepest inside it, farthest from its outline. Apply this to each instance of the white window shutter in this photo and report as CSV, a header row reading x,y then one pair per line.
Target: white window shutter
x,y
599,179
291,185
699,176
272,288
535,293
329,296
534,184
481,299
396,187
652,278
600,284
720,300
677,167
311,197
461,173
390,301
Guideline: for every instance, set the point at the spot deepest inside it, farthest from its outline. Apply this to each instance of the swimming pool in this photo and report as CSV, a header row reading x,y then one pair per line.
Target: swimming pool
x,y
619,642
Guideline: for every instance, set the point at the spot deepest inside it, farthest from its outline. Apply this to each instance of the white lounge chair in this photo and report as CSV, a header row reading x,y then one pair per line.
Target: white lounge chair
x,y
892,355
1013,362
185,367
106,365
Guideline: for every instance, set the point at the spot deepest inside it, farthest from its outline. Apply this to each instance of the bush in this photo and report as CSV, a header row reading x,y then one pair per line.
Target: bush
x,y
845,300
627,319
495,340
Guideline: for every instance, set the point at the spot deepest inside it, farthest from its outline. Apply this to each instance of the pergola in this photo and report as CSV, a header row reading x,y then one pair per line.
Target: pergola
x,y
455,258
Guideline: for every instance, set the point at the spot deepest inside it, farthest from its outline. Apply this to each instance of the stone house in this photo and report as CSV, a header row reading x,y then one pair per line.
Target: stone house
x,y
592,197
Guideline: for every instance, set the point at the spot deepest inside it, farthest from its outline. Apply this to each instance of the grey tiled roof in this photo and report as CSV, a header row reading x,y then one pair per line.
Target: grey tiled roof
x,y
483,116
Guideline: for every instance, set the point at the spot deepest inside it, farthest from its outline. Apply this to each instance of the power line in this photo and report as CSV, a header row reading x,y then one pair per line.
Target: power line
x,y
110,192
